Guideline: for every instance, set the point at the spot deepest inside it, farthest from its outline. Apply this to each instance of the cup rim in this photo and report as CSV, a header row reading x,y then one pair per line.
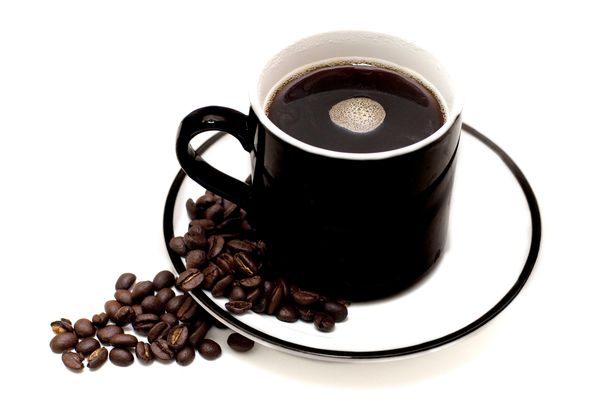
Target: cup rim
x,y
258,106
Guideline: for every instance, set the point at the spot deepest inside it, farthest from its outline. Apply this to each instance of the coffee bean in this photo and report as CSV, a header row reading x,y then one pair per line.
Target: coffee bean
x,y
158,331
164,295
97,358
160,349
226,263
141,290
143,323
63,341
178,246
87,346
205,224
72,360
144,352
177,337
187,310
61,326
123,296
306,314
100,320
198,332
124,315
138,309
245,264
175,303
111,306
305,298
122,340
190,279
151,304
254,294
211,274
238,307
230,209
237,293
338,311
197,230
206,200
121,357
195,241
284,285
268,287
169,318
239,245
185,356
251,282
221,286
324,322
104,334
193,211
216,245
277,294
287,313
260,304
239,342
214,212
125,281
209,349
196,259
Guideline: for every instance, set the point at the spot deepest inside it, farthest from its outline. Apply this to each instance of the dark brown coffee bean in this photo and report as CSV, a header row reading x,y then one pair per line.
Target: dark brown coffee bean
x,y
305,298
144,323
238,307
245,264
63,341
251,282
285,288
138,310
175,303
196,258
144,352
121,357
178,337
104,334
324,322
84,328
209,349
190,279
62,326
239,342
123,296
239,245
185,356
216,245
169,318
158,331
125,281
221,286
198,332
122,340
187,310
338,311
214,212
287,313
237,293
306,314
164,295
268,287
205,224
211,274
87,346
97,358
277,294
160,349
254,294
197,230
260,304
178,245
141,290
124,316
100,320
72,360
195,241
194,212
111,306
206,201
151,304
226,263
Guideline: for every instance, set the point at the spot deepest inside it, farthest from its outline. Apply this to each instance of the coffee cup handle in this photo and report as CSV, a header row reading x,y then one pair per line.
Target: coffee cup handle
x,y
220,119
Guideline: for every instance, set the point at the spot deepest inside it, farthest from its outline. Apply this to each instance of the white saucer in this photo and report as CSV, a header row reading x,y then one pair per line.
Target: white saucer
x,y
494,237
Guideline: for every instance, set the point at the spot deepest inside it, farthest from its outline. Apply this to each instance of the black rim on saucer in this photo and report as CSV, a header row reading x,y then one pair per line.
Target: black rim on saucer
x,y
236,324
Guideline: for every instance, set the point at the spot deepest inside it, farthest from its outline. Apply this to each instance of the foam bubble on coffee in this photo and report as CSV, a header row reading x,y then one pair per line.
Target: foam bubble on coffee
x,y
358,114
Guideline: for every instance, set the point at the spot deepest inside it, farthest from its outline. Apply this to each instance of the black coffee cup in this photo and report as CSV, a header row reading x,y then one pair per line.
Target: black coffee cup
x,y
352,225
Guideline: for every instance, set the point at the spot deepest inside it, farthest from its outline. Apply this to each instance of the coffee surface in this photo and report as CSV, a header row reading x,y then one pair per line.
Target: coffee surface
x,y
356,108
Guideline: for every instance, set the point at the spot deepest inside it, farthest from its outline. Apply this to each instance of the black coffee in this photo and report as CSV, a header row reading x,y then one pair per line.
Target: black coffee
x,y
357,108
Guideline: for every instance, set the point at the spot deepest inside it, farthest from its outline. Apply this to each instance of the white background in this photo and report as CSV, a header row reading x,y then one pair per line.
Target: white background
x,y
90,98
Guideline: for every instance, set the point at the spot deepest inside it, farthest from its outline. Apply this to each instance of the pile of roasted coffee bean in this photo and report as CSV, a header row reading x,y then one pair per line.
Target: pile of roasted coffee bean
x,y
224,255
175,327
